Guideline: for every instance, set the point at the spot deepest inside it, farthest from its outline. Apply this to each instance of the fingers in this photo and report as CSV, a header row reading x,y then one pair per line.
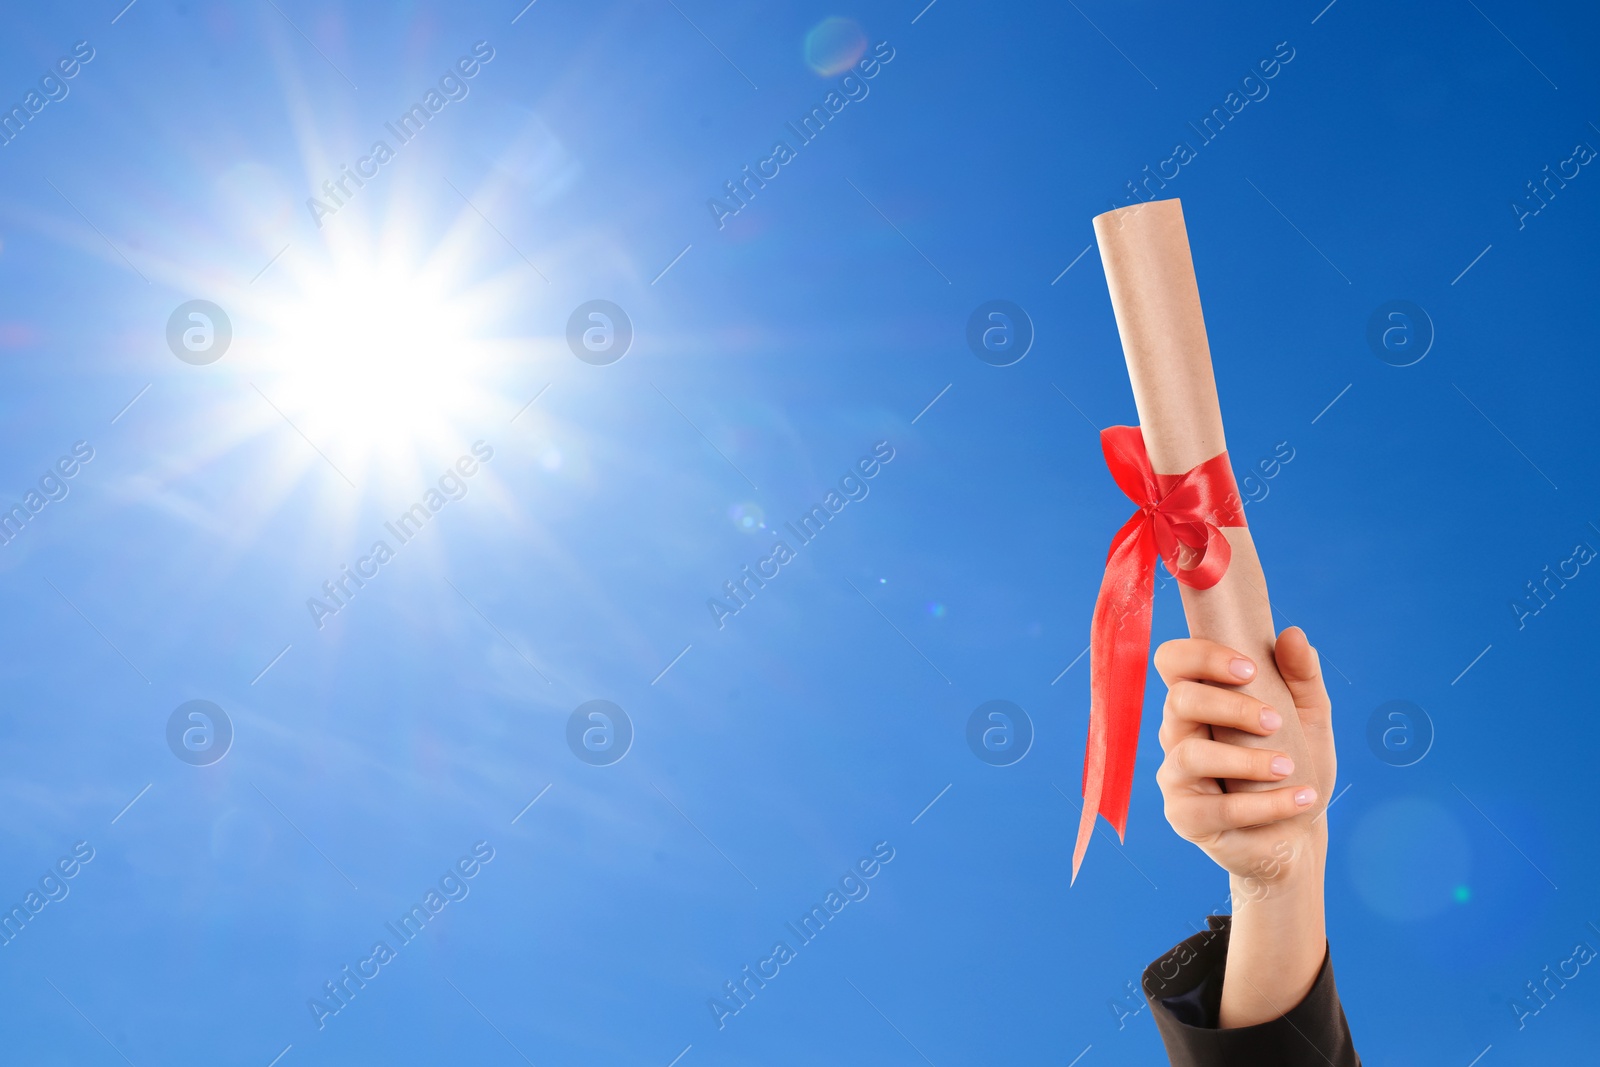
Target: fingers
x,y
1195,815
1206,661
1200,758
1195,703
1301,668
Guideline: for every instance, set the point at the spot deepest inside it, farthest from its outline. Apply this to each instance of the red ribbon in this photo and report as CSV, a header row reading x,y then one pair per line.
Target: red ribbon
x,y
1174,509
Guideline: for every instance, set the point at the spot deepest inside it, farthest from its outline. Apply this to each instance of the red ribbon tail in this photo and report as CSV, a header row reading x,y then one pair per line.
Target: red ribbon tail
x,y
1119,644
1175,511
1091,806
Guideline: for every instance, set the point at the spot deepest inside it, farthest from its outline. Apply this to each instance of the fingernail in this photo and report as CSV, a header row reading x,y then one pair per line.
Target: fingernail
x,y
1282,765
1270,720
1305,797
1242,668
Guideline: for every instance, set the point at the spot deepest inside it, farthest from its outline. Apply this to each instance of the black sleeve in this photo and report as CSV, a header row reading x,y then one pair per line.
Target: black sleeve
x,y
1184,988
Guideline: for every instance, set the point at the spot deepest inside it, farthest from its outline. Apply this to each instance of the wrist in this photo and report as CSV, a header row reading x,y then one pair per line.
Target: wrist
x,y
1294,868
1279,933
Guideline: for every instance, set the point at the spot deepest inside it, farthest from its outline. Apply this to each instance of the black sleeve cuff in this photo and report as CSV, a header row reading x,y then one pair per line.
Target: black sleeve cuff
x,y
1184,989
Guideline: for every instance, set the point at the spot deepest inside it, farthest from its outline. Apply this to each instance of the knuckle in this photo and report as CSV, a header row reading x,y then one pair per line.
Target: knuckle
x,y
1169,706
1235,808
1174,815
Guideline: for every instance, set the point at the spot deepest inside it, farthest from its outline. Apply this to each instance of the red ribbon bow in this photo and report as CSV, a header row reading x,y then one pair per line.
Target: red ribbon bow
x,y
1174,509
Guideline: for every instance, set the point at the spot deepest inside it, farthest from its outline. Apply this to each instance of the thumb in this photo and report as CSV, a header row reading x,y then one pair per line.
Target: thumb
x,y
1301,669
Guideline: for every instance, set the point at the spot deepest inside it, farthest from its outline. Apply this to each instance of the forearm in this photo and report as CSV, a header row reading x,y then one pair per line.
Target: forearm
x,y
1279,939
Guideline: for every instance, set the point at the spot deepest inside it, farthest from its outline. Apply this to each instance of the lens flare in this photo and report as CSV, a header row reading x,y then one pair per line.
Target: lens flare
x,y
1407,856
748,517
834,45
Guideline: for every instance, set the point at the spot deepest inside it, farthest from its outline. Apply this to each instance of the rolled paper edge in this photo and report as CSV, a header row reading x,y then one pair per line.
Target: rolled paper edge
x,y
1155,297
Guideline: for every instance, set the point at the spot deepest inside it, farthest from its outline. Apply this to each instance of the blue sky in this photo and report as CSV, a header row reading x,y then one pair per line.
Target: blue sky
x,y
379,350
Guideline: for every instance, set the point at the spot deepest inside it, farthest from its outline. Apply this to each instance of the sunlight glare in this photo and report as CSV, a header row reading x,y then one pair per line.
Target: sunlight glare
x,y
382,364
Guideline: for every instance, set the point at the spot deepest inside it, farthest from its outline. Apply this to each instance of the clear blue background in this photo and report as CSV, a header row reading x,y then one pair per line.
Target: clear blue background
x,y
778,750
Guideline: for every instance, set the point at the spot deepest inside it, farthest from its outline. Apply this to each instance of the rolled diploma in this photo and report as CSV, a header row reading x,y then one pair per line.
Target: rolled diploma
x,y
1145,250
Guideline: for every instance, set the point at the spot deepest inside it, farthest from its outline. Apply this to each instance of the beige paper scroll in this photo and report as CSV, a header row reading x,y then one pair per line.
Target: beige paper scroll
x,y
1145,250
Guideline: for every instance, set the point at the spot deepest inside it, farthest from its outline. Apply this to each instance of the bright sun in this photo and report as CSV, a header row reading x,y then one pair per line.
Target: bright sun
x,y
380,364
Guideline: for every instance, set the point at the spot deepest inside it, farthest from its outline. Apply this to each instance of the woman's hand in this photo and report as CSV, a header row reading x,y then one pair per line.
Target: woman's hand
x,y
1269,841
1252,835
